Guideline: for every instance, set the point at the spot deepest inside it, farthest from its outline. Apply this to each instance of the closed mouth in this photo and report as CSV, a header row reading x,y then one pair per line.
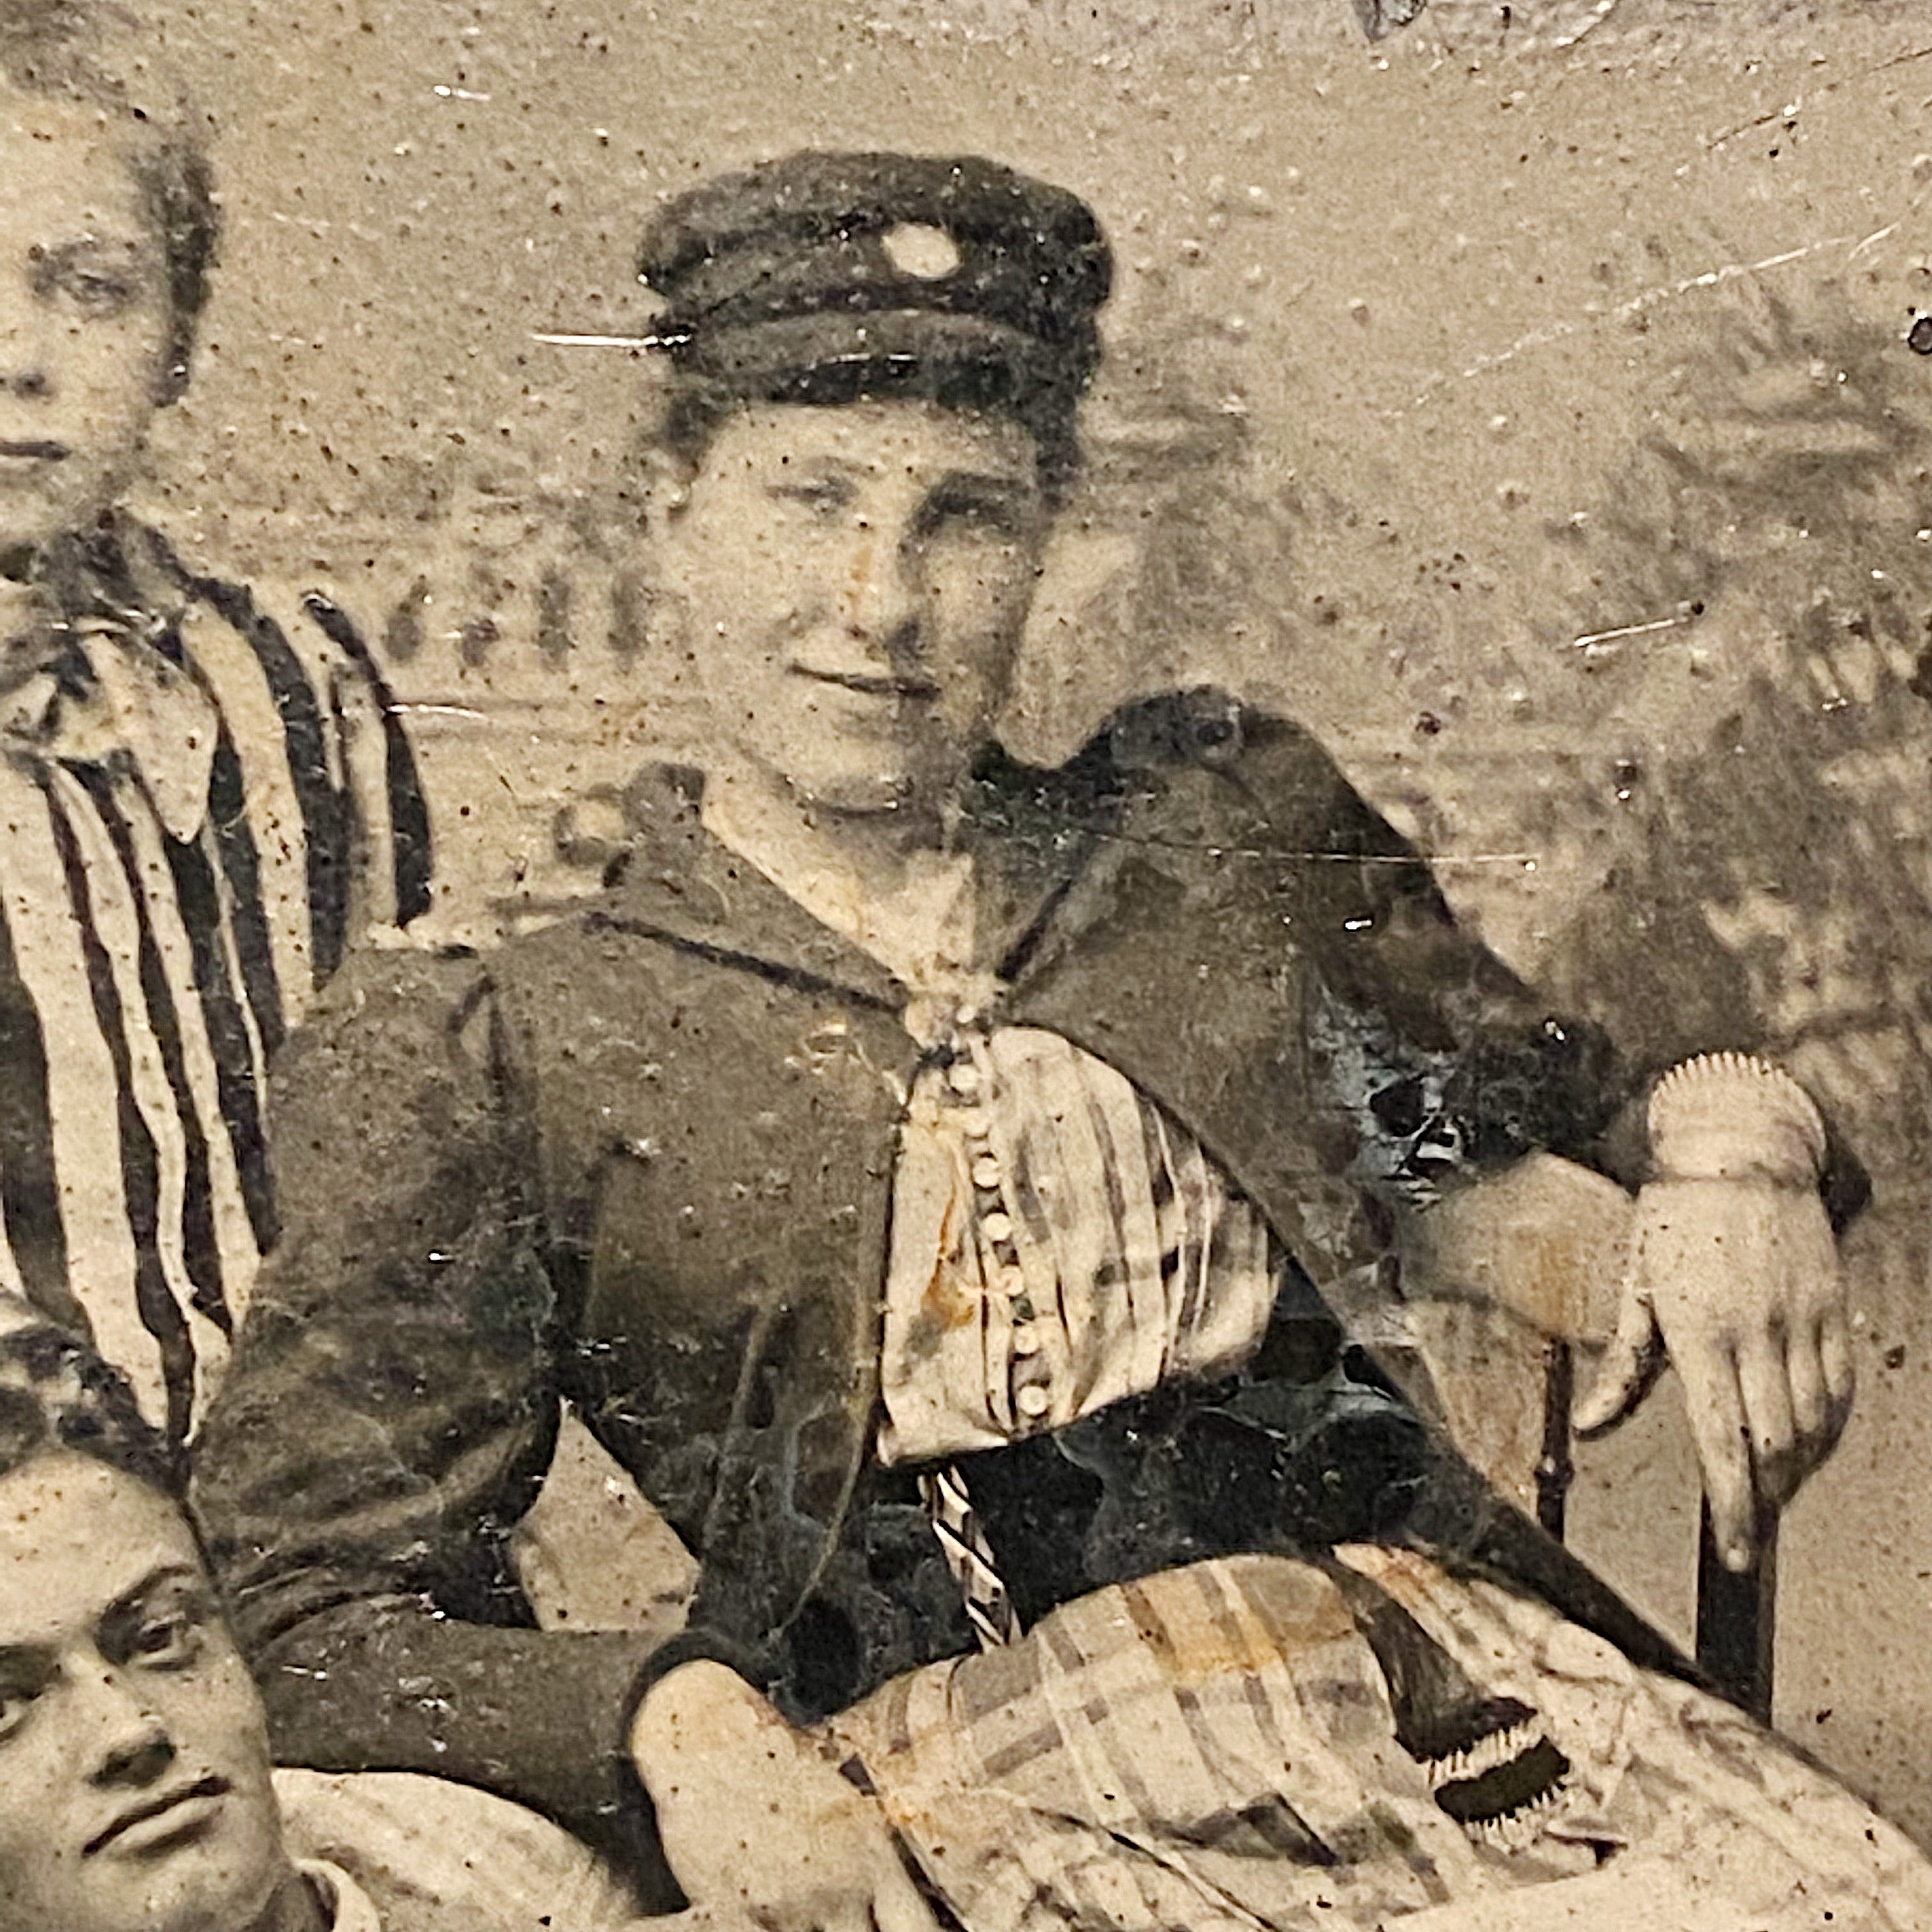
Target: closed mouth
x,y
35,452
868,685
205,1787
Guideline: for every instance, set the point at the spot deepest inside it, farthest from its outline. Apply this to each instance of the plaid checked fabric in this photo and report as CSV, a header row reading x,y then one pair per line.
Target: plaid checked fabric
x,y
1217,1749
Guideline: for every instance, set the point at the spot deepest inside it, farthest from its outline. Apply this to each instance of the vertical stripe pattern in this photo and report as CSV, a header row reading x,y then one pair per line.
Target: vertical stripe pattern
x,y
1058,1244
171,899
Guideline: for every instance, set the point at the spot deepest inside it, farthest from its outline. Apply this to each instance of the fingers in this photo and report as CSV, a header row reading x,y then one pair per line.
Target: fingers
x,y
1835,1358
1811,1406
1715,1404
1778,1460
1628,1372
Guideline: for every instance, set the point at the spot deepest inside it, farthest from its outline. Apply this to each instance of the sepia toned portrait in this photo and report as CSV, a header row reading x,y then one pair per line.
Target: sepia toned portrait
x,y
965,966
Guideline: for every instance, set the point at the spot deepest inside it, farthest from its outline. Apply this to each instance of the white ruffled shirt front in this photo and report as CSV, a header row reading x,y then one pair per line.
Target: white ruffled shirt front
x,y
1059,1242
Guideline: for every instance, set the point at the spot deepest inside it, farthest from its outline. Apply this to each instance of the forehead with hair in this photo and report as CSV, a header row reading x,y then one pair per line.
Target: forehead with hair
x,y
86,111
90,79
694,413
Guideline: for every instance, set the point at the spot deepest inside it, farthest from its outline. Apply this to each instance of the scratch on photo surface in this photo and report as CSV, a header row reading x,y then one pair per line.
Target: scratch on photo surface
x,y
1649,297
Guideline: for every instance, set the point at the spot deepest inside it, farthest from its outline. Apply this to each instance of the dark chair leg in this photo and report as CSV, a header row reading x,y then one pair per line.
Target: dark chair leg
x,y
1554,1468
1736,1618
1736,1612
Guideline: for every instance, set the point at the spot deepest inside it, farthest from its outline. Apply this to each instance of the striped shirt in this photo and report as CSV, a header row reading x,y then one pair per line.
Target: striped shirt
x,y
204,801
1059,1243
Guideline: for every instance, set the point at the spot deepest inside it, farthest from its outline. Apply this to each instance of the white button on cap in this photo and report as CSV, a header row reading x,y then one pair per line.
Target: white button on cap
x,y
997,1227
1033,1401
1026,1339
985,1171
1012,1283
963,1077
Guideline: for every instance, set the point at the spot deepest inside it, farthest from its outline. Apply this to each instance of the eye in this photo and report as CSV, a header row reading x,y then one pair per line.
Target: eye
x,y
16,1705
987,515
167,1638
99,293
91,279
823,497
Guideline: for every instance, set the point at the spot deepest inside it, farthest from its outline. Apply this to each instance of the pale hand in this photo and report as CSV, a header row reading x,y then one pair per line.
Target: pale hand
x,y
759,1828
1738,1284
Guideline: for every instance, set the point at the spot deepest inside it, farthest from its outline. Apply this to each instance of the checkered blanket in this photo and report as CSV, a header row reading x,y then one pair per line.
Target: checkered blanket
x,y
1260,1742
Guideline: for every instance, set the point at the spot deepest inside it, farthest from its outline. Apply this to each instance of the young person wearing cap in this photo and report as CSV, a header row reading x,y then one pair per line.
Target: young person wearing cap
x,y
920,1169
136,1793
202,806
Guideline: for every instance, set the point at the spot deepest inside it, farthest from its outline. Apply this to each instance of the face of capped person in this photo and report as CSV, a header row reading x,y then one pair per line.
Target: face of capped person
x,y
855,579
84,319
134,1775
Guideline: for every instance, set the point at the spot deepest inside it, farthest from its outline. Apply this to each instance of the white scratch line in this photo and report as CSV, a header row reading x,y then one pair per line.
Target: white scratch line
x,y
1872,240
1591,638
1711,278
445,711
595,341
457,93
1791,109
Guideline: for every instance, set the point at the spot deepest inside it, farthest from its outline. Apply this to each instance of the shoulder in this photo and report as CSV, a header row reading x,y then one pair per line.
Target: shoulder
x,y
434,1856
1202,747
392,1013
302,644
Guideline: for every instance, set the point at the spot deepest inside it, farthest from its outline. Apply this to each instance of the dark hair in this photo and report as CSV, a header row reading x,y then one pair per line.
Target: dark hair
x,y
695,408
96,55
56,1393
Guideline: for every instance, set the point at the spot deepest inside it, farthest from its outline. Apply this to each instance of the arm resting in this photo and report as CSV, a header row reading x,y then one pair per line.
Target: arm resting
x,y
535,1716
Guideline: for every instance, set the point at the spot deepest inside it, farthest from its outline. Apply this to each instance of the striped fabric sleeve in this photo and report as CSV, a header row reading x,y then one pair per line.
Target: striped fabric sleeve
x,y
388,814
324,776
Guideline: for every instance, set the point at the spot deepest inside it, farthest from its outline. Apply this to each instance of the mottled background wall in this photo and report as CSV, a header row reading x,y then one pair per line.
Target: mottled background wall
x,y
1524,399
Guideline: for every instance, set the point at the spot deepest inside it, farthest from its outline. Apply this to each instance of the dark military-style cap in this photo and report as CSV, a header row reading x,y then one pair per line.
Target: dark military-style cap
x,y
837,274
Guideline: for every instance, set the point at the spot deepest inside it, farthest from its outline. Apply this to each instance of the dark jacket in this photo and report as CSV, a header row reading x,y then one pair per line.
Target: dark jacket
x,y
643,1159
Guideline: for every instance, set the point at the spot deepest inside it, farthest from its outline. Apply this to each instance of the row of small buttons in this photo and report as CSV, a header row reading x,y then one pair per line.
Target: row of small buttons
x,y
966,1077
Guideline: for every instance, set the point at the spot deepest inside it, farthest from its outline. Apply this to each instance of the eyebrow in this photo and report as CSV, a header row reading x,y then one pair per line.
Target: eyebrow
x,y
129,245
133,1598
26,1665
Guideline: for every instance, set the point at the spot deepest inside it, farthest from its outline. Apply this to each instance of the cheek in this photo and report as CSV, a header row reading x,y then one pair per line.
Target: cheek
x,y
978,610
42,1822
115,372
215,1713
730,584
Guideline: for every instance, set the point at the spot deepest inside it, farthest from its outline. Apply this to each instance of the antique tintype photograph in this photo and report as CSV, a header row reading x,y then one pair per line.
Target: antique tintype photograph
x,y
965,966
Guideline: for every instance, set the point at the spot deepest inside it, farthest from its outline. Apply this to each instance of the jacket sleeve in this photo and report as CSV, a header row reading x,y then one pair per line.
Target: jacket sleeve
x,y
389,1414
1446,1063
1443,1060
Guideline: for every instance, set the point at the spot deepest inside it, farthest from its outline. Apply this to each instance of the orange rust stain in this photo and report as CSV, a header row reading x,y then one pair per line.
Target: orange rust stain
x,y
1191,1651
946,1303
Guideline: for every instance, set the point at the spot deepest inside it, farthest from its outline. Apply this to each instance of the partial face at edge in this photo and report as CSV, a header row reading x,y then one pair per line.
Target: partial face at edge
x,y
856,579
84,318
135,1793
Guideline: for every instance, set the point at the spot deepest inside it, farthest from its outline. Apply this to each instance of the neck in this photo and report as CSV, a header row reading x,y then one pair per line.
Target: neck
x,y
294,1906
876,846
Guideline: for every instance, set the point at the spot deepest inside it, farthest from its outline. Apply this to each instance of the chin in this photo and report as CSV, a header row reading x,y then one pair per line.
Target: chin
x,y
212,1896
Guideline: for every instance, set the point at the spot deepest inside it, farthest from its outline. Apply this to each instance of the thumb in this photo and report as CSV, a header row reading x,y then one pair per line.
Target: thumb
x,y
1631,1364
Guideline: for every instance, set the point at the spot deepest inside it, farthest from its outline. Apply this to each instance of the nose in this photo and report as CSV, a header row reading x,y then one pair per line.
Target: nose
x,y
127,1740
880,599
25,369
